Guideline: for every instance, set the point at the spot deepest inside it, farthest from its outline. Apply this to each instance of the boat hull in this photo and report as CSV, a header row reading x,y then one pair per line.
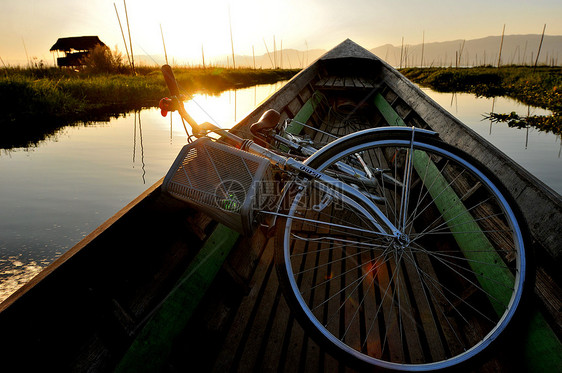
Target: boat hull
x,y
86,310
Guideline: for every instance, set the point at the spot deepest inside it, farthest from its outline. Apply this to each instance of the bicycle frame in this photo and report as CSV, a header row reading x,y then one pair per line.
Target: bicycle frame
x,y
326,183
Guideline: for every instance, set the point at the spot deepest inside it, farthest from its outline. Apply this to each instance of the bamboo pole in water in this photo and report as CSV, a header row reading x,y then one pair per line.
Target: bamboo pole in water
x,y
423,45
540,45
401,52
306,43
460,53
231,39
274,53
130,40
281,55
268,54
26,55
456,59
164,44
501,46
123,35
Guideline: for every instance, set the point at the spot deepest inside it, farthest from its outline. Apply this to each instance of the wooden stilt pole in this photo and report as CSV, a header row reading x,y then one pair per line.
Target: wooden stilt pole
x,y
130,40
540,46
423,45
231,39
501,46
281,55
401,52
268,54
164,44
123,35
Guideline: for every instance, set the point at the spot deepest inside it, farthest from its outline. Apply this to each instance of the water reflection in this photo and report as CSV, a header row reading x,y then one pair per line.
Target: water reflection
x,y
138,113
491,111
54,194
536,150
15,273
546,123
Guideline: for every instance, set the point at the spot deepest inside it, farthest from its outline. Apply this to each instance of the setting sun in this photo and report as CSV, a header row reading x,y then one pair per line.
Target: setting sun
x,y
28,29
191,30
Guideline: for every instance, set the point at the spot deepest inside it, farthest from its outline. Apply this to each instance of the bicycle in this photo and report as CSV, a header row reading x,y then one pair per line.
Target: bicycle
x,y
393,249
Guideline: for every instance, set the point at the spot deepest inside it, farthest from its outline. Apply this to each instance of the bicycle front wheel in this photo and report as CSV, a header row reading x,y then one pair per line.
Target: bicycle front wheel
x,y
432,298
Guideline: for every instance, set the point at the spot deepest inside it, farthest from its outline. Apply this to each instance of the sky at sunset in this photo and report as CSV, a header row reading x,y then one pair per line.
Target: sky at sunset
x,y
28,28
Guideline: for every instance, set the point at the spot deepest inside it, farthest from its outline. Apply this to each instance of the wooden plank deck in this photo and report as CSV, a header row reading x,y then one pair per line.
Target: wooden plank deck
x,y
248,327
347,82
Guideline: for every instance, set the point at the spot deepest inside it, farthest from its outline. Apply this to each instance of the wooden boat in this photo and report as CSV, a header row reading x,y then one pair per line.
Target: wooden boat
x,y
160,286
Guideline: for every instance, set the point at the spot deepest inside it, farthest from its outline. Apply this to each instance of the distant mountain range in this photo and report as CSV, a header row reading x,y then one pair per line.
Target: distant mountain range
x,y
516,49
286,59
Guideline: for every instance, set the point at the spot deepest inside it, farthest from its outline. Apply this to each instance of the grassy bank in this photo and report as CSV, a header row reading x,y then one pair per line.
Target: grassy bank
x,y
540,87
37,101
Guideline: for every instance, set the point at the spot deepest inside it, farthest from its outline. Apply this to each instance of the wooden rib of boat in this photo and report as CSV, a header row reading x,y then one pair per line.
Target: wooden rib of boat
x,y
160,286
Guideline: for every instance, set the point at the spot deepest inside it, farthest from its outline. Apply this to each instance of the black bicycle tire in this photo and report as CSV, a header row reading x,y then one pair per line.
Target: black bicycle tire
x,y
335,151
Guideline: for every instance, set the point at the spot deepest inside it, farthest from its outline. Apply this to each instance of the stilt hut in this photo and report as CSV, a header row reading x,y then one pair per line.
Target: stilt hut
x,y
75,48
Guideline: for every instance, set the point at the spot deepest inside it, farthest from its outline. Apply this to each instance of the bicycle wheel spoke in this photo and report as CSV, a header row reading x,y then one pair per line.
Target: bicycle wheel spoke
x,y
448,223
342,241
451,266
430,203
405,197
427,295
435,299
334,278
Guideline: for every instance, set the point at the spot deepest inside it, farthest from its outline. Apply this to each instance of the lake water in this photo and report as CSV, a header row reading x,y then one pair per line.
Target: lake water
x,y
538,152
53,195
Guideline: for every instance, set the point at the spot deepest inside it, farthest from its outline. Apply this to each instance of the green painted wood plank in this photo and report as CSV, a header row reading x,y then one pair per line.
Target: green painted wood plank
x,y
151,348
303,116
543,349
389,114
456,215
472,241
305,113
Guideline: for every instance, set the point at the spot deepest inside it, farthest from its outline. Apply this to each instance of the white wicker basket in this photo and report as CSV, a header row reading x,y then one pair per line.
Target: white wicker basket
x,y
227,183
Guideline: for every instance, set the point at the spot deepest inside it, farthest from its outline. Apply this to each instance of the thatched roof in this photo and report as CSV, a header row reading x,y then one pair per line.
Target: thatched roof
x,y
79,43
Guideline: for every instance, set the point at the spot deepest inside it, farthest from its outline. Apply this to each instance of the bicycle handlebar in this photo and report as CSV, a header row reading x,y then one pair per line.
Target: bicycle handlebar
x,y
174,89
176,103
170,79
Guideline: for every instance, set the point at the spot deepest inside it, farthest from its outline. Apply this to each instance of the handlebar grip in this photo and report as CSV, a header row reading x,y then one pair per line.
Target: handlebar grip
x,y
170,80
175,92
